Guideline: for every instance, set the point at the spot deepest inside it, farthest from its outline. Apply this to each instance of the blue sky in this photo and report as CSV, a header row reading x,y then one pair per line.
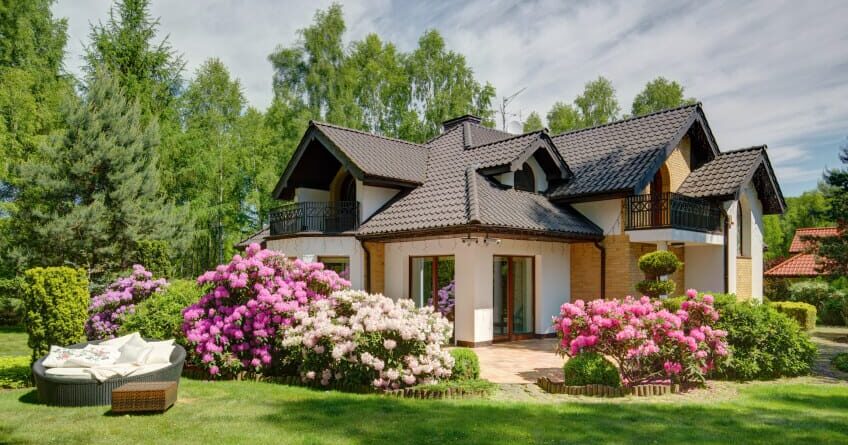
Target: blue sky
x,y
767,72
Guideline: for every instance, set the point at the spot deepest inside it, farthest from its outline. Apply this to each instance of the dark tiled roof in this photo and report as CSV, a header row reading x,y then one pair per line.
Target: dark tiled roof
x,y
723,175
616,157
258,238
377,155
481,135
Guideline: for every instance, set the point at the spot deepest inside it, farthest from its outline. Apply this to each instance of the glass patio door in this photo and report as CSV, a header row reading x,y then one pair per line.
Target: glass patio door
x,y
512,297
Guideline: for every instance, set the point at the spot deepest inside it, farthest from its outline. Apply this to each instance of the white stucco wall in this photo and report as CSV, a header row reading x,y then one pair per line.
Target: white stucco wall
x,y
303,194
372,198
704,269
508,178
730,211
474,278
326,246
756,237
606,214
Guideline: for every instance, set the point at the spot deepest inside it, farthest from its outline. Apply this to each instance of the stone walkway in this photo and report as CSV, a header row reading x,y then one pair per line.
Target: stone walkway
x,y
831,340
520,361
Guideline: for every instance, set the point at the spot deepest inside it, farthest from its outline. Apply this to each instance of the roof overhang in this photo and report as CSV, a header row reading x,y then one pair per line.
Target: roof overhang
x,y
559,171
464,229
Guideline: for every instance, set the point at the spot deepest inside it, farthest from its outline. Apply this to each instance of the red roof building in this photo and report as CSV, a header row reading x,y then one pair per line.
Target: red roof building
x,y
805,262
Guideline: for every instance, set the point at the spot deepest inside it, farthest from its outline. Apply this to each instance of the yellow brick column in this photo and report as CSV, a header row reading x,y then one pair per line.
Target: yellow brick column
x,y
377,266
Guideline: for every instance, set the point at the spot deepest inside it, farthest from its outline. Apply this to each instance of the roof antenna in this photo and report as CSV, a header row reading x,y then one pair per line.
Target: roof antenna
x,y
504,102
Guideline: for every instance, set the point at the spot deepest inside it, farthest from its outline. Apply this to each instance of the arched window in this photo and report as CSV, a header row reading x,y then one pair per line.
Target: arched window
x,y
525,179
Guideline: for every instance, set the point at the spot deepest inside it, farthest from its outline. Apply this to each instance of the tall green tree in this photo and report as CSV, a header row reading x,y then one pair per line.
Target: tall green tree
x,y
563,117
92,193
810,209
836,249
533,122
659,94
598,104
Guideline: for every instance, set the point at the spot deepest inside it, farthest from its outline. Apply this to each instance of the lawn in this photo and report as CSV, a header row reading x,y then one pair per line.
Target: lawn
x,y
258,413
13,341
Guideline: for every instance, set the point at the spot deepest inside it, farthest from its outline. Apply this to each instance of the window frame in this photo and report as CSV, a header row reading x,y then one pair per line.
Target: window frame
x,y
321,259
434,273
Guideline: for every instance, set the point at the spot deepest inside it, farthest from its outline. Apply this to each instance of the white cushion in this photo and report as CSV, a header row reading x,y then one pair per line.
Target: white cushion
x,y
91,355
70,373
133,354
57,357
118,342
161,352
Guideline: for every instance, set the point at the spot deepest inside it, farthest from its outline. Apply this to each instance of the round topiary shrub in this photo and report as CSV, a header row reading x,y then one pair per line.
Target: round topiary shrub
x,y
161,315
590,368
466,365
655,288
661,262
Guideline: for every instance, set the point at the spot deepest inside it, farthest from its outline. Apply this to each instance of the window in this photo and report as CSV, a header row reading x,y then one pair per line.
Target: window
x,y
431,282
525,179
743,240
338,264
513,297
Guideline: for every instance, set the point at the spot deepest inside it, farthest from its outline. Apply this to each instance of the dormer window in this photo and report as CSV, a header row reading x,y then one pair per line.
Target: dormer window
x,y
525,180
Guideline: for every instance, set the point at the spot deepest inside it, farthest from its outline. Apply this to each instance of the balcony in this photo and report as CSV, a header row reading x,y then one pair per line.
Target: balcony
x,y
671,211
320,217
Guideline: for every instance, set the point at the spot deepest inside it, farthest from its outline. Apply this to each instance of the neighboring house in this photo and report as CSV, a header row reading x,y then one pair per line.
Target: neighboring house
x,y
804,262
523,223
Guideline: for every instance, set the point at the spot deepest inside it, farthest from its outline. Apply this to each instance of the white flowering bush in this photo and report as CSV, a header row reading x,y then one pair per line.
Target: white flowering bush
x,y
359,338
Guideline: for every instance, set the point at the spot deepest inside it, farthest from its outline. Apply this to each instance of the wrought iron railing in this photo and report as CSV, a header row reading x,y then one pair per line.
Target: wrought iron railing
x,y
322,217
671,210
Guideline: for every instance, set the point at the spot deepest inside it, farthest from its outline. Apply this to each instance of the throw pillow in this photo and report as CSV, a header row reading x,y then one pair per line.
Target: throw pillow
x,y
133,354
92,356
161,352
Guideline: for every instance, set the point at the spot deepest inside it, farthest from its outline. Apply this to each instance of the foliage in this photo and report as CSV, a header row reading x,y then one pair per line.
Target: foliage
x,y
655,288
598,104
160,316
476,386
360,338
840,361
835,249
646,341
719,301
811,209
107,310
235,325
590,369
654,265
55,302
814,292
15,372
776,289
11,305
804,314
533,123
564,117
95,192
834,309
659,94
446,299
466,365
155,255
764,343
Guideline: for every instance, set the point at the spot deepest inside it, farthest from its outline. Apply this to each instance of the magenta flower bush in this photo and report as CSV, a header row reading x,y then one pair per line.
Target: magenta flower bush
x,y
359,338
446,300
107,309
249,302
646,341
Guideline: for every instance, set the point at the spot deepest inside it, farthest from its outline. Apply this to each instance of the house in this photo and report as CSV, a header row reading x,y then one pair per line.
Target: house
x,y
515,225
804,262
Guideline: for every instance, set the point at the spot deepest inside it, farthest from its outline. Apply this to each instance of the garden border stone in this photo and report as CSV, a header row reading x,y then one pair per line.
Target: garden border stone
x,y
607,391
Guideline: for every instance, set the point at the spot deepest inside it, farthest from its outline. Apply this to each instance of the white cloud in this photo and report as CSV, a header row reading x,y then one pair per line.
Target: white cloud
x,y
770,72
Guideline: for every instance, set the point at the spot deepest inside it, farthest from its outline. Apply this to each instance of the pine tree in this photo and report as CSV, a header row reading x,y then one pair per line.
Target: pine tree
x,y
835,249
92,194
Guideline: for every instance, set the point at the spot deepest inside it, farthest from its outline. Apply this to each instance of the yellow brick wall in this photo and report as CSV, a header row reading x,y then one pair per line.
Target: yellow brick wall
x,y
585,271
743,278
377,257
621,264
679,164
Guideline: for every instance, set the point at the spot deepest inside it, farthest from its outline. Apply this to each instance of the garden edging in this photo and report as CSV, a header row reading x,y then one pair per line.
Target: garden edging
x,y
607,391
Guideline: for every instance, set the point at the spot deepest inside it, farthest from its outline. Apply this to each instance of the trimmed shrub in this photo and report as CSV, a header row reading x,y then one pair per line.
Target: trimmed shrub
x,y
11,305
15,372
655,288
803,313
108,309
840,361
811,292
161,315
764,343
55,303
719,301
660,262
833,309
356,338
466,365
590,369
156,255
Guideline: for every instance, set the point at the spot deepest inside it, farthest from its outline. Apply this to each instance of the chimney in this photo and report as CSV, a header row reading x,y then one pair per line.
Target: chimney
x,y
450,123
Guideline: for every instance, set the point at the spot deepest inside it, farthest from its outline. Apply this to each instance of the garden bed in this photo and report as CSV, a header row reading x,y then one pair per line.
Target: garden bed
x,y
607,391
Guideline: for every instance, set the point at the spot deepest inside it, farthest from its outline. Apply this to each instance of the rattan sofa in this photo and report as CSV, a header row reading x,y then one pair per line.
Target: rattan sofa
x,y
54,390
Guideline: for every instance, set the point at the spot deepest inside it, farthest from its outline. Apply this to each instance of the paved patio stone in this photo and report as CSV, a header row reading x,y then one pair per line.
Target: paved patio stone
x,y
520,361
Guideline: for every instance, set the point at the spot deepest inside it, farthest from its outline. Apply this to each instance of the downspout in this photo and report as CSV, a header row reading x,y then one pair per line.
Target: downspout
x,y
603,251
367,266
726,254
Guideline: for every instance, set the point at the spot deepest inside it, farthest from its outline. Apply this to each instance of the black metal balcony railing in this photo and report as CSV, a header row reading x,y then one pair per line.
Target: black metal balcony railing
x,y
322,217
670,210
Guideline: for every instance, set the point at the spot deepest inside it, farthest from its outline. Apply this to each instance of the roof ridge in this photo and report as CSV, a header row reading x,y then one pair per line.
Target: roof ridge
x,y
366,133
471,197
509,138
629,119
744,149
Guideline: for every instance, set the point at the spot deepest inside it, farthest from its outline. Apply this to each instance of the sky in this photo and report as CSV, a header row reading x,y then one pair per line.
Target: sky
x,y
767,72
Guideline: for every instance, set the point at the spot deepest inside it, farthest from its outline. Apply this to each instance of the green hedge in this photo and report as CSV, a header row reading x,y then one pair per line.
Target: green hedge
x,y
15,372
55,307
764,343
720,301
466,365
803,313
811,292
160,316
11,305
590,369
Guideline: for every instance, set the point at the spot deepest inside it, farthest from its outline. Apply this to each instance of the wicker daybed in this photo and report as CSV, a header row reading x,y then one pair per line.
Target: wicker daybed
x,y
63,391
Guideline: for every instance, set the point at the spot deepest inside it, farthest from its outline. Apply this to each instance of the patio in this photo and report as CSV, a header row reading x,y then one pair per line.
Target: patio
x,y
520,361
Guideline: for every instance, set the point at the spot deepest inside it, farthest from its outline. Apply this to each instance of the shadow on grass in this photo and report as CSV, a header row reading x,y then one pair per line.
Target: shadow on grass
x,y
30,397
372,419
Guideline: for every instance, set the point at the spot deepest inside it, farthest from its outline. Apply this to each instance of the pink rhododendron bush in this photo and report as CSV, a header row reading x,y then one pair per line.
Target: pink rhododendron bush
x,y
107,309
236,325
360,338
647,342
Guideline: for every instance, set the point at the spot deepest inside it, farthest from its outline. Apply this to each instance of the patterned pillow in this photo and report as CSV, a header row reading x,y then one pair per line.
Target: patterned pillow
x,y
91,355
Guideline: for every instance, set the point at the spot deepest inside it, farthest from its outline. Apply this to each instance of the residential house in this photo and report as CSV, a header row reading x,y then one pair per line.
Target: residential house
x,y
519,224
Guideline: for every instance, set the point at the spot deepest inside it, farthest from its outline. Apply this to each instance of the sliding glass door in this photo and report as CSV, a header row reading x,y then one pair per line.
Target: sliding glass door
x,y
431,281
513,294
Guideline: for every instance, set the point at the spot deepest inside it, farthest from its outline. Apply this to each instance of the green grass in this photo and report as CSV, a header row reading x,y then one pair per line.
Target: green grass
x,y
259,413
13,342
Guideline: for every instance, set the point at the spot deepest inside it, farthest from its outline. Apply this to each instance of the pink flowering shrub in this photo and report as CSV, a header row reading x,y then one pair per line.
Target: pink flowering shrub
x,y
646,341
446,300
235,325
359,338
107,309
